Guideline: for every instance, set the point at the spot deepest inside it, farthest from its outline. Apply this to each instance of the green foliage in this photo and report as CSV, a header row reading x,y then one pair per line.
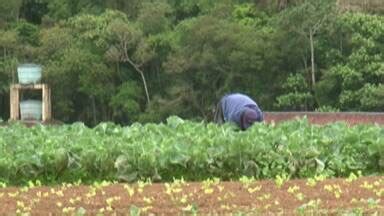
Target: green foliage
x,y
189,150
154,17
219,56
64,9
247,14
298,96
187,54
9,10
327,109
356,82
27,32
316,13
126,103
8,43
306,20
8,39
373,96
78,73
129,7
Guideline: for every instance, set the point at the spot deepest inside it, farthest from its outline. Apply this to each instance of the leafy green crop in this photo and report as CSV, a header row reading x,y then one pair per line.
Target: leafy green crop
x,y
193,150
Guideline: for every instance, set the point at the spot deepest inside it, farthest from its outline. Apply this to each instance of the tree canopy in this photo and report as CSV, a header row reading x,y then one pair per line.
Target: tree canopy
x,y
127,61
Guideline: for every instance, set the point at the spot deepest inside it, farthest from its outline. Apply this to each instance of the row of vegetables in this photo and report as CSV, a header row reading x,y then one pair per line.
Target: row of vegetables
x,y
185,149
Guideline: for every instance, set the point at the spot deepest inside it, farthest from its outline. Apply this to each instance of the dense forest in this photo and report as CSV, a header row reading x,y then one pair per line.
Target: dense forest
x,y
143,60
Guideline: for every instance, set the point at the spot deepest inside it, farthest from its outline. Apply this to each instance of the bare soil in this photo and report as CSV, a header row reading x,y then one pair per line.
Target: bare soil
x,y
351,118
296,197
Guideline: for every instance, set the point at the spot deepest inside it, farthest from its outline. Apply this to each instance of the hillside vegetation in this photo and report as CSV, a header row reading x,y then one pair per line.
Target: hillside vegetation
x,y
129,61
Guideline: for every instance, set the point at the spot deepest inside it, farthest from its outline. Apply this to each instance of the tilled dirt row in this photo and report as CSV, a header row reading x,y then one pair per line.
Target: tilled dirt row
x,y
295,197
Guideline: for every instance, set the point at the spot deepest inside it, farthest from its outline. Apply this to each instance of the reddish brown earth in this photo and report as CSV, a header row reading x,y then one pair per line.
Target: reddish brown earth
x,y
296,197
351,118
324,118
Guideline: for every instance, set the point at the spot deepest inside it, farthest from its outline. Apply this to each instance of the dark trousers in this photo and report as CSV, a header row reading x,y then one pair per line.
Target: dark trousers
x,y
219,116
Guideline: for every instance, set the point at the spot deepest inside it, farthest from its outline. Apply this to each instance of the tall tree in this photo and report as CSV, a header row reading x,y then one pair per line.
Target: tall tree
x,y
8,46
129,7
125,38
307,19
216,56
10,10
33,10
154,17
118,38
355,81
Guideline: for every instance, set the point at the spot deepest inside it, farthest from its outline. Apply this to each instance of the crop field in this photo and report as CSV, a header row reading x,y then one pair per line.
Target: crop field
x,y
183,167
313,196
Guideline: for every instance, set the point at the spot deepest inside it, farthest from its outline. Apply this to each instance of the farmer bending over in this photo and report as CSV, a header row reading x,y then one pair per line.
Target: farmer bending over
x,y
238,108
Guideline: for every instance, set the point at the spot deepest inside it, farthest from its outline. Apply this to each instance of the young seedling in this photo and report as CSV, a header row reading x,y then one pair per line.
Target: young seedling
x,y
352,177
335,189
373,203
20,204
207,185
129,189
225,207
191,208
66,185
3,185
13,195
78,182
264,197
221,188
24,189
142,184
184,199
300,196
366,185
293,189
148,200
276,202
281,179
99,185
91,193
146,208
110,200
379,192
59,193
134,211
74,200
246,181
312,182
309,208
80,211
68,210
255,189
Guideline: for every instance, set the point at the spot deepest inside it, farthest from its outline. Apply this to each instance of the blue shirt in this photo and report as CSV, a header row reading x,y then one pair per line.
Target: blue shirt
x,y
233,106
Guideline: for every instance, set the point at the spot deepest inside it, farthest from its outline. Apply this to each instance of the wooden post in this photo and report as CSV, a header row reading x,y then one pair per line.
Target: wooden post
x,y
15,100
11,104
46,103
14,103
